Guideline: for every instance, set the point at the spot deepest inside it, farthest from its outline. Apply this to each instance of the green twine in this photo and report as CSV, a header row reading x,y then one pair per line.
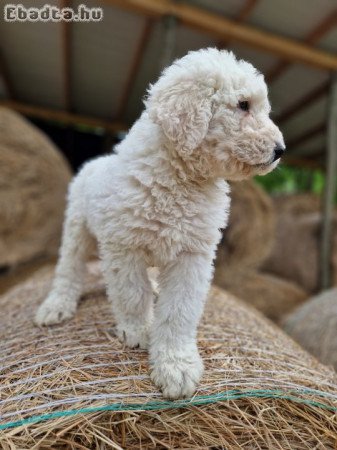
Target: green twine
x,y
195,401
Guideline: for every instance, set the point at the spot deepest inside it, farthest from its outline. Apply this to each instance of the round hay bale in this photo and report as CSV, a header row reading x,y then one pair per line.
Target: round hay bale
x,y
272,296
75,386
295,253
33,182
249,236
297,204
15,275
314,326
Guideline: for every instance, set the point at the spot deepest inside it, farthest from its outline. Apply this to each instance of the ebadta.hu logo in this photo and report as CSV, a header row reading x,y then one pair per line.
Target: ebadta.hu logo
x,y
50,13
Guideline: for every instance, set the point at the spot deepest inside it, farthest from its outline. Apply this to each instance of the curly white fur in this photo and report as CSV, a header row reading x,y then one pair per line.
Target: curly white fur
x,y
161,201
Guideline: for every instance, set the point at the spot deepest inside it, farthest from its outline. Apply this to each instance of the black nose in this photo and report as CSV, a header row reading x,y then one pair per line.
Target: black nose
x,y
278,151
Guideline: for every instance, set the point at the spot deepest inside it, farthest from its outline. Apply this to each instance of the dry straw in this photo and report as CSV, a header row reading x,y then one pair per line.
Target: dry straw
x,y
33,183
74,386
314,326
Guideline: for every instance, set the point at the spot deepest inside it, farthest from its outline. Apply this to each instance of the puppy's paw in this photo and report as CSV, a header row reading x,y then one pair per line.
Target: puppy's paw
x,y
177,377
132,335
54,310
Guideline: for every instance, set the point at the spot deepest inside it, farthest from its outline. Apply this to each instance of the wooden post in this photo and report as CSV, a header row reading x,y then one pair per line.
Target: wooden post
x,y
330,188
170,39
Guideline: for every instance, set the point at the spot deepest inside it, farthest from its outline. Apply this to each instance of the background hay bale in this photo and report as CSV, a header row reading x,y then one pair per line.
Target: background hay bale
x,y
260,389
15,275
246,243
296,250
295,253
249,236
272,296
297,204
33,184
314,326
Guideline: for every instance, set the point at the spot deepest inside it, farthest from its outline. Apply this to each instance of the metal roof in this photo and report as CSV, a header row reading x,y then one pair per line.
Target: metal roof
x,y
109,64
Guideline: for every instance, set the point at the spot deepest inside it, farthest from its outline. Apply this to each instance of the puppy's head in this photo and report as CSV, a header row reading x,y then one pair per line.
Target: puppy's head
x,y
214,112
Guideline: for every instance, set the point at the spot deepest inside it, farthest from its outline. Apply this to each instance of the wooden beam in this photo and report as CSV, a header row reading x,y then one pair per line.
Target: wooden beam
x,y
312,38
313,132
303,102
66,51
6,77
137,60
246,11
241,17
64,117
223,28
329,22
330,190
277,70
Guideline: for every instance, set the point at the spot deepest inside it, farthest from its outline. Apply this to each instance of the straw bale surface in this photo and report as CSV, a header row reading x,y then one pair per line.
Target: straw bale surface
x,y
33,182
271,295
260,390
314,326
249,236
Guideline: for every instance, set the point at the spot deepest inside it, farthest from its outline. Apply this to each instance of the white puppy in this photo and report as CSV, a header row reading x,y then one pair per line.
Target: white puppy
x,y
161,201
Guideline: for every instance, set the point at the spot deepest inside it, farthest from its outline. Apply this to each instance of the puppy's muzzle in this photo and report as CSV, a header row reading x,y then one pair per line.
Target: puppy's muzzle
x,y
278,152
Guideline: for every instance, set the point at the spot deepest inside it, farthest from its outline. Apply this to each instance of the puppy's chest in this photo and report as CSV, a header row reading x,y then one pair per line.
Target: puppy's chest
x,y
173,222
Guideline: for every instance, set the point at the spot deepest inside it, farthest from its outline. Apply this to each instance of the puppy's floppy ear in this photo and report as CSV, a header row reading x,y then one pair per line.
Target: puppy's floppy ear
x,y
183,110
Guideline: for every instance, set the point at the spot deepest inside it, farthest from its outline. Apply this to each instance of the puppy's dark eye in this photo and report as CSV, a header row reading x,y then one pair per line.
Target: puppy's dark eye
x,y
244,105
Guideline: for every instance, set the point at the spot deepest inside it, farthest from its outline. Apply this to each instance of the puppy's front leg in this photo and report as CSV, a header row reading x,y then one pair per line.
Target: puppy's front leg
x,y
176,366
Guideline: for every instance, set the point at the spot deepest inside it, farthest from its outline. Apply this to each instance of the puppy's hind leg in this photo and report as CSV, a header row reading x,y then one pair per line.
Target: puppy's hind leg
x,y
61,303
130,294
